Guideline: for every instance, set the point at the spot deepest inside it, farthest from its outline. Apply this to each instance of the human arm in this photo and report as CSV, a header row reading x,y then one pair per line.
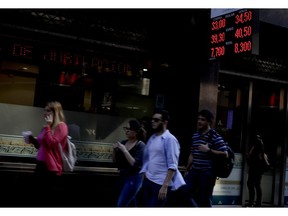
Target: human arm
x,y
250,151
34,141
265,157
145,160
215,145
129,157
206,148
172,152
135,159
119,147
163,190
52,140
115,149
189,164
126,153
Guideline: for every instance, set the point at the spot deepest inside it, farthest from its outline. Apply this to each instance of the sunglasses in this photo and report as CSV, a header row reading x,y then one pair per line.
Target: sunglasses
x,y
156,119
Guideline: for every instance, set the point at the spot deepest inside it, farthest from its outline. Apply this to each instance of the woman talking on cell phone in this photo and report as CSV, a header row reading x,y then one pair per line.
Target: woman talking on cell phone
x,y
48,160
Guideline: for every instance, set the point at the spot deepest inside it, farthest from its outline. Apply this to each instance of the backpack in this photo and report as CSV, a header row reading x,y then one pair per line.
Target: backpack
x,y
69,158
222,166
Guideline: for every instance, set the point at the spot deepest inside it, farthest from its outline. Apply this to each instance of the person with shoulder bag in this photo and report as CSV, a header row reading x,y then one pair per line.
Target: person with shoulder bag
x,y
206,144
257,164
48,160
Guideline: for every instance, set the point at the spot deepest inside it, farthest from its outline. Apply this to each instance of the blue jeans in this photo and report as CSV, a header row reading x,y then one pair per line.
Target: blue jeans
x,y
150,194
201,184
130,187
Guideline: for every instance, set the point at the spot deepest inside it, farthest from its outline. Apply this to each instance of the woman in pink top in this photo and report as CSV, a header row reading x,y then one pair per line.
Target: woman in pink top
x,y
49,162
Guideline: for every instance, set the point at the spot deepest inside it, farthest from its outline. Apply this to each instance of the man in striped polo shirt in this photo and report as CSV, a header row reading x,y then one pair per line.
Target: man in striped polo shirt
x,y
199,175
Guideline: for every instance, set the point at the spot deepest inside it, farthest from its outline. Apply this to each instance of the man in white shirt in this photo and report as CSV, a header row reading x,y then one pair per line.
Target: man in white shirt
x,y
160,163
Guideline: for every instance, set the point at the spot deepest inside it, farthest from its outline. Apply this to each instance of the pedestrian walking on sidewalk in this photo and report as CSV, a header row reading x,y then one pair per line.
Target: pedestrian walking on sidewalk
x,y
128,156
48,160
160,163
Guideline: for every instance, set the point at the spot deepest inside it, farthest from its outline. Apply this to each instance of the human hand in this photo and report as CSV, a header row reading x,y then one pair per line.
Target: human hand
x,y
26,135
121,147
162,192
49,119
115,145
186,172
204,148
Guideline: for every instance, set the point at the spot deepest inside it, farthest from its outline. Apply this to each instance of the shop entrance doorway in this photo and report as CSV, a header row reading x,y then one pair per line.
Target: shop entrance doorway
x,y
245,106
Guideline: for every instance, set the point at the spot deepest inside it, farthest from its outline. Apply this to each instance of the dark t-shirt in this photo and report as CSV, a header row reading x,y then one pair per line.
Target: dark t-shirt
x,y
256,163
124,166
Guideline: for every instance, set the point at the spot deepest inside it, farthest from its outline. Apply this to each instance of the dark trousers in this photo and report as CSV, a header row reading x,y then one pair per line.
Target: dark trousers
x,y
201,183
254,183
150,192
47,187
182,197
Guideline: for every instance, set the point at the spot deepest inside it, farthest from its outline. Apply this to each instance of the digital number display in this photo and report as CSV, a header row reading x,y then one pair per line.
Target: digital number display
x,y
232,33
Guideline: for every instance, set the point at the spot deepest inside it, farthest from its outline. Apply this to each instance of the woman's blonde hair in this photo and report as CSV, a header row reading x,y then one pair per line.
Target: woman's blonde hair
x,y
57,110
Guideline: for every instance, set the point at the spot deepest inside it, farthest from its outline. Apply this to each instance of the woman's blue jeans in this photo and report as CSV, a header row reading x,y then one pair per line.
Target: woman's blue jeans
x,y
130,188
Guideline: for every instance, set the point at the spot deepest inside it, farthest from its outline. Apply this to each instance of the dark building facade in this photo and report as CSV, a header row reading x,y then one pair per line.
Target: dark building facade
x,y
109,65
